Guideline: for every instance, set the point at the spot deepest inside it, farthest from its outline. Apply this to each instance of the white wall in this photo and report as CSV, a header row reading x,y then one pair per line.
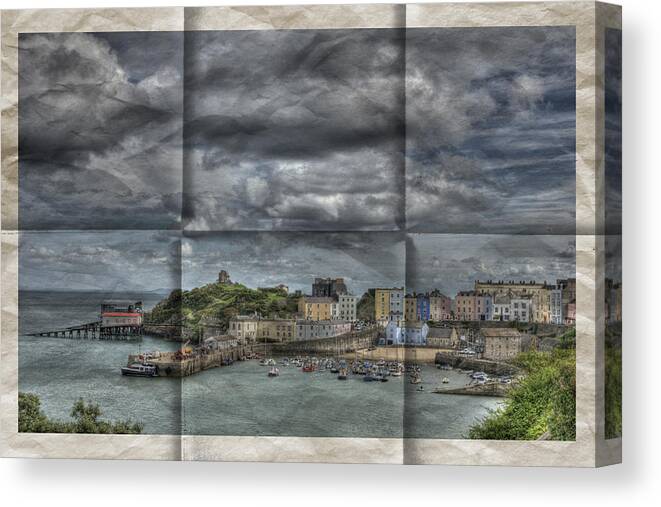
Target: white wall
x,y
55,483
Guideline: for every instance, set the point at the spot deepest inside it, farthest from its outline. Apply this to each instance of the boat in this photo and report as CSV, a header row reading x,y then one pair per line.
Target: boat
x,y
274,372
342,375
369,377
264,362
139,370
445,380
396,373
420,388
416,380
308,367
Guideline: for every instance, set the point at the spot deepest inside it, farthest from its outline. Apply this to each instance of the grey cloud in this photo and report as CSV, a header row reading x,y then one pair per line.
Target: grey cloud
x,y
107,138
295,130
99,260
365,260
490,130
452,262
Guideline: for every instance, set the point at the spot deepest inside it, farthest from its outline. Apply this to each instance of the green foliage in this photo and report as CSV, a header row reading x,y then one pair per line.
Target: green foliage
x,y
365,307
220,302
86,419
543,404
613,381
568,339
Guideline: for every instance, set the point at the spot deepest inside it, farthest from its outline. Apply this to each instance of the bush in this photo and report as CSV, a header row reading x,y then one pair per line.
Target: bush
x,y
85,419
543,404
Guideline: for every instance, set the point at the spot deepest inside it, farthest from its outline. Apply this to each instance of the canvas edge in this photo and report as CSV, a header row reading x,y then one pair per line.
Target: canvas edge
x,y
225,448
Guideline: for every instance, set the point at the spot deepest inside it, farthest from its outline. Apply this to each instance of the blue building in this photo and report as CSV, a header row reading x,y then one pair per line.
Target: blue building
x,y
422,307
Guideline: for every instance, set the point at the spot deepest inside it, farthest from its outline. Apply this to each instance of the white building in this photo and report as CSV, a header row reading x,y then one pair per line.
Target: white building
x,y
345,307
521,309
501,307
556,307
413,333
317,329
397,305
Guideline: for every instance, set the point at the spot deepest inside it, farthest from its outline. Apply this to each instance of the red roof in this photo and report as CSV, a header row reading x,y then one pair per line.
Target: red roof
x,y
120,314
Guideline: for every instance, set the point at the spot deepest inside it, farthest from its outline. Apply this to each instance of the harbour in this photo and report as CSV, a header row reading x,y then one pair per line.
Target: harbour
x,y
237,399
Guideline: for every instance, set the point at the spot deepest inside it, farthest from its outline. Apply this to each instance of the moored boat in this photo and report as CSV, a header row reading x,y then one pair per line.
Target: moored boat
x,y
139,370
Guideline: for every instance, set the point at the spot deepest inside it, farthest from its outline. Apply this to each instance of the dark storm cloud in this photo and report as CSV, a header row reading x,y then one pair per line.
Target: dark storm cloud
x,y
294,129
490,128
100,126
124,261
452,262
265,259
613,106
613,245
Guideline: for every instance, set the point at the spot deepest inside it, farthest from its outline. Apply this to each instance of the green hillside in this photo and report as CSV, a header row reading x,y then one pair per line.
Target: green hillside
x,y
220,302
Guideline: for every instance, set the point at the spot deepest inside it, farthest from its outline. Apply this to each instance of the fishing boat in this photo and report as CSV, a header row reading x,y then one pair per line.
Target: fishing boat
x,y
139,370
274,372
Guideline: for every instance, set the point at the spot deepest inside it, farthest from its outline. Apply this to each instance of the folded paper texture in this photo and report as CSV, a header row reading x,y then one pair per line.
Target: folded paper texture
x,y
419,150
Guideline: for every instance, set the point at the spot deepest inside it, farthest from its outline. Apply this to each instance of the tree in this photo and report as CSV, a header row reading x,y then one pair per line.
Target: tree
x,y
86,419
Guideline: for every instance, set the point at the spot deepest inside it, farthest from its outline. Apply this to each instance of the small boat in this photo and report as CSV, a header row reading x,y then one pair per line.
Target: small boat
x,y
274,372
139,370
416,380
445,380
368,377
396,373
420,388
264,362
342,375
309,367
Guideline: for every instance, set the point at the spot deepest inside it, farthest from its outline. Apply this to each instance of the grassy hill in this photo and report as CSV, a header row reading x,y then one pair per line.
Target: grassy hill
x,y
220,302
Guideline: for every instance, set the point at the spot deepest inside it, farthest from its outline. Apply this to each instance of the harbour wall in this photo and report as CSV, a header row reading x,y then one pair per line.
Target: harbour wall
x,y
337,345
468,363
168,366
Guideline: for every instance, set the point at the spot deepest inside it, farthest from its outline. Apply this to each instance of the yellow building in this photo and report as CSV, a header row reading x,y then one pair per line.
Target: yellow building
x,y
382,305
255,328
316,308
410,308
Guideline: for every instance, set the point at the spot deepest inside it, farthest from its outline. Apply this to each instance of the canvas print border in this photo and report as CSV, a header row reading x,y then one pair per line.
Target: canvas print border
x,y
590,447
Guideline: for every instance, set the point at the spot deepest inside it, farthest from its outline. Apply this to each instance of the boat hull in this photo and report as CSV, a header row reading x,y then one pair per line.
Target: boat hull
x,y
133,373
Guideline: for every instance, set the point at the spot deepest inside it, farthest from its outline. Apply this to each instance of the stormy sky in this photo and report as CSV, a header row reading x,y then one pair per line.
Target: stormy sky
x,y
613,105
294,130
452,262
100,130
266,259
350,135
153,260
490,130
121,261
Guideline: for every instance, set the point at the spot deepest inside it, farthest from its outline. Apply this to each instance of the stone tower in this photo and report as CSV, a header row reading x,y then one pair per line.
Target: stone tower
x,y
224,277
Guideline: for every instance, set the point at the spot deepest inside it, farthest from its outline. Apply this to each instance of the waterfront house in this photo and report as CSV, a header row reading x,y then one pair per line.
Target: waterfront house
x,y
121,313
317,329
316,308
500,343
442,337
